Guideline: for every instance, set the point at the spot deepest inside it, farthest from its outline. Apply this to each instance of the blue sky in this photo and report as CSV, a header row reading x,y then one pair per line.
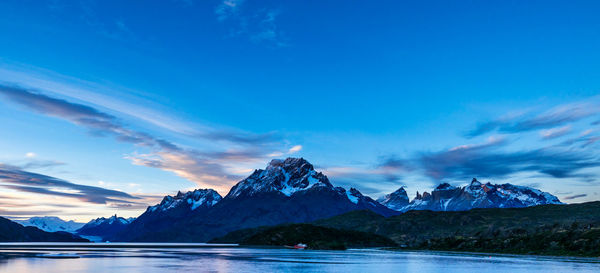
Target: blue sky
x,y
147,98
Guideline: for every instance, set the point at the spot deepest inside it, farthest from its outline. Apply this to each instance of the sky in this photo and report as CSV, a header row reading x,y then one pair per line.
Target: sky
x,y
107,106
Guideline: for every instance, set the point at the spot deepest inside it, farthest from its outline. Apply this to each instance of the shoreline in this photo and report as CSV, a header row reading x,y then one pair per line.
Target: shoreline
x,y
479,253
39,245
158,245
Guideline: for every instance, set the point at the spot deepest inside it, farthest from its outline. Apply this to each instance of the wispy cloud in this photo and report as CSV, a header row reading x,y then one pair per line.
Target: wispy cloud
x,y
228,8
584,140
555,132
118,99
510,153
295,149
15,178
267,30
240,137
575,196
497,159
388,173
555,117
203,171
205,168
40,164
123,102
96,121
18,214
258,24
489,161
392,168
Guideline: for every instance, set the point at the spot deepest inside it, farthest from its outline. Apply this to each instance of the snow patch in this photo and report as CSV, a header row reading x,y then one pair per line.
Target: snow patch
x,y
352,198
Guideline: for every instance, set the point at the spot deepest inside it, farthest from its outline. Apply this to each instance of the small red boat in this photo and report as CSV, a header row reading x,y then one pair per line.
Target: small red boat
x,y
297,246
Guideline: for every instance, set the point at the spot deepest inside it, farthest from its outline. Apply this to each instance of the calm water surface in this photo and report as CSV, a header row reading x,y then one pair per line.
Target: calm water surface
x,y
238,259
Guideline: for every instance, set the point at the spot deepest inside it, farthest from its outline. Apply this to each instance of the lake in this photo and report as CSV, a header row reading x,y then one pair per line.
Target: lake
x,y
163,258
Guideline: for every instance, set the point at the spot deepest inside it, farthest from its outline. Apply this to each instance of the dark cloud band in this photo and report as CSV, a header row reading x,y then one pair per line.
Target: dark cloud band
x,y
17,179
555,117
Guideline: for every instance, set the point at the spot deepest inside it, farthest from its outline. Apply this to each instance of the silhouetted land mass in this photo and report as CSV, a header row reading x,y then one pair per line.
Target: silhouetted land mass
x,y
572,230
566,230
316,237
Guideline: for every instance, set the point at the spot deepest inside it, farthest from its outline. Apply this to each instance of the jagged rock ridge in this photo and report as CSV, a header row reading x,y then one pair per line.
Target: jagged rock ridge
x,y
104,227
446,197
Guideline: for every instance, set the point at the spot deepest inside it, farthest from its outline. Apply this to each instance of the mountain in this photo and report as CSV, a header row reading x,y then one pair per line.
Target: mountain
x,y
186,202
51,224
396,200
13,232
104,227
287,191
171,209
476,195
572,229
306,193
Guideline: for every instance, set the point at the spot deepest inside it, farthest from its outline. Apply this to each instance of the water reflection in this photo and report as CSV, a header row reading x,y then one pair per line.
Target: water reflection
x,y
228,259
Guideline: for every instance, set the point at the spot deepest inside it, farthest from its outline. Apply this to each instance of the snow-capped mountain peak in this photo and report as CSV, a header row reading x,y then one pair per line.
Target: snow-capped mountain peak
x,y
395,200
525,195
475,183
285,176
192,199
51,224
354,195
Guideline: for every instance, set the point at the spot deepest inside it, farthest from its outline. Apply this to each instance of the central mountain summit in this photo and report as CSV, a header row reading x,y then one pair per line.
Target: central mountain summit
x,y
284,176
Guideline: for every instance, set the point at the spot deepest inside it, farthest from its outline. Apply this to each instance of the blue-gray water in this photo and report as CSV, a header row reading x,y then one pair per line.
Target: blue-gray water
x,y
240,259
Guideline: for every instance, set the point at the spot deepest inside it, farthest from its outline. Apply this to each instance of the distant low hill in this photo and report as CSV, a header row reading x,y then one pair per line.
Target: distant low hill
x,y
316,237
547,229
14,232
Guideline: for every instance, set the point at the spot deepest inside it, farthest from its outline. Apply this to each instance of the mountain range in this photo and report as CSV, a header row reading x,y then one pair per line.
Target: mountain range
x,y
292,191
286,192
